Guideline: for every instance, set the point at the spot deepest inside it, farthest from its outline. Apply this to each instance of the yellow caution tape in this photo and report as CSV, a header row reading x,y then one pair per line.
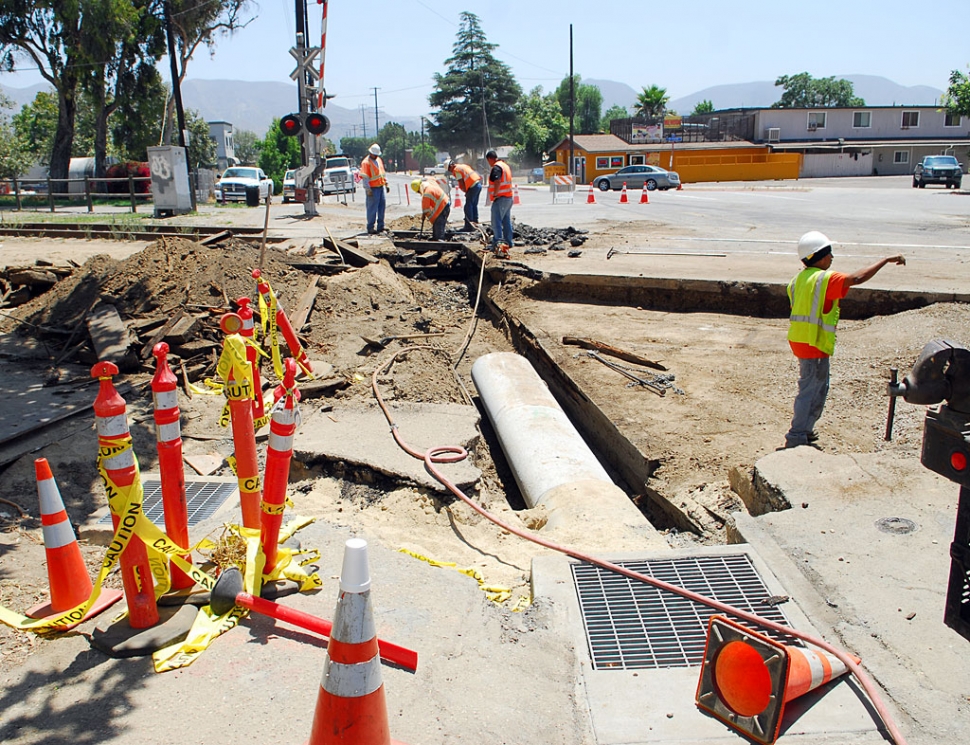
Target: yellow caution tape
x,y
495,593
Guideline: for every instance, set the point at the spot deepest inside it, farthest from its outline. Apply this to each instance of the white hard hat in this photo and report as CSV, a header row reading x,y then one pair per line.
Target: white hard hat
x,y
811,243
375,149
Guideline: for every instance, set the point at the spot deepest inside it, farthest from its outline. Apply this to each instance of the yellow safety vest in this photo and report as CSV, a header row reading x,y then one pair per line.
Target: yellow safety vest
x,y
809,324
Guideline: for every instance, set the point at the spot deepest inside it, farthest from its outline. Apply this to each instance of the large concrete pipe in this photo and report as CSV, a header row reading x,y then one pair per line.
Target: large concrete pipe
x,y
551,463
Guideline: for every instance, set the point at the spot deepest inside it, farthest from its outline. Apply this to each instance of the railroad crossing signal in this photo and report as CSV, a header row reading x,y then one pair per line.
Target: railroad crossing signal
x,y
315,124
304,63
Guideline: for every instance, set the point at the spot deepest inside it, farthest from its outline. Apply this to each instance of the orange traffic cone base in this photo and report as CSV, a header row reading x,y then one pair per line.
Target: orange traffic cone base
x,y
747,692
105,600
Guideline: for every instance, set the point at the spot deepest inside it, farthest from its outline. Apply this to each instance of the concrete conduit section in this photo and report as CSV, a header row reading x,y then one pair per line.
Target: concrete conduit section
x,y
552,464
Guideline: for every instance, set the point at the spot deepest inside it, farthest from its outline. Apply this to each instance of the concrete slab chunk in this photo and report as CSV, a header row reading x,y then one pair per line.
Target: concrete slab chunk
x,y
360,435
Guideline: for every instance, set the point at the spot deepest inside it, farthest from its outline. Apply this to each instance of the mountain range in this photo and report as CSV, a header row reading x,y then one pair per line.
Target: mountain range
x,y
253,105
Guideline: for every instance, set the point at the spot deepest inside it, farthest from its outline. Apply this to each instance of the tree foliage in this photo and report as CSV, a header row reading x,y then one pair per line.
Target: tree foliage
x,y
475,100
703,107
14,158
278,153
244,147
355,147
541,124
393,139
651,102
957,96
614,112
589,103
424,153
201,147
802,91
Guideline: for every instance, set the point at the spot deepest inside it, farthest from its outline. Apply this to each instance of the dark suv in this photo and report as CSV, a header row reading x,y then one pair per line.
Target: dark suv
x,y
938,169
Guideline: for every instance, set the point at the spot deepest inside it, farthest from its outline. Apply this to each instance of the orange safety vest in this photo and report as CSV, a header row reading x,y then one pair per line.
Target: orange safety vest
x,y
502,187
372,171
467,176
433,199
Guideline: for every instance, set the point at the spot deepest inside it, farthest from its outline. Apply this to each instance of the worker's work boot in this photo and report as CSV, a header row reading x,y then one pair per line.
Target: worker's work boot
x,y
502,251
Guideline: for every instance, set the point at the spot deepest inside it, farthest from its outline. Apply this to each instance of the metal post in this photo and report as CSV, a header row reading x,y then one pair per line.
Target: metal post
x,y
571,169
16,191
50,194
87,193
131,192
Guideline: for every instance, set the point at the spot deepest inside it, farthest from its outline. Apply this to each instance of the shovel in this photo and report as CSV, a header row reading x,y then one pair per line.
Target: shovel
x,y
384,341
228,593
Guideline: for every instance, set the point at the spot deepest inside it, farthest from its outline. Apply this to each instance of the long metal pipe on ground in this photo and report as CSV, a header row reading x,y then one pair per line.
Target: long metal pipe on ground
x,y
551,463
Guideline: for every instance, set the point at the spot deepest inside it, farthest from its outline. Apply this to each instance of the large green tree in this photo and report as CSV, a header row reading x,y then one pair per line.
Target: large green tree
x,y
475,100
802,91
136,123
355,147
703,107
541,125
651,102
244,147
614,112
957,96
201,147
589,103
393,140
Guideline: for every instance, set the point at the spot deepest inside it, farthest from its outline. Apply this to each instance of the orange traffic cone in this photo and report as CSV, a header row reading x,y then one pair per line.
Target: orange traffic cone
x,y
457,198
515,195
644,199
67,574
747,678
623,196
680,186
351,705
590,199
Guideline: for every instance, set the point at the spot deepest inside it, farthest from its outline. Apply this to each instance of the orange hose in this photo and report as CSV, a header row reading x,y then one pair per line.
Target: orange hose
x,y
454,453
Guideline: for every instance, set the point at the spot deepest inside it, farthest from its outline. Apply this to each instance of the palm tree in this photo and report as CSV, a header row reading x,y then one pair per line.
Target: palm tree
x,y
650,104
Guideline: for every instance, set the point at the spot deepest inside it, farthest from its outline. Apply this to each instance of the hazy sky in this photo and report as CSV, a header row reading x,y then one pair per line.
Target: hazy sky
x,y
683,47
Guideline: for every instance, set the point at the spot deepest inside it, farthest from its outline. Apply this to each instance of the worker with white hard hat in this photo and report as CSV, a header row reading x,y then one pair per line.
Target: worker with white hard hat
x,y
375,185
814,295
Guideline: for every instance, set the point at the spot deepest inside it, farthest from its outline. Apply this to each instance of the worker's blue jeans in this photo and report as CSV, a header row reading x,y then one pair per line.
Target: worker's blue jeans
x,y
502,221
375,209
813,388
471,203
439,225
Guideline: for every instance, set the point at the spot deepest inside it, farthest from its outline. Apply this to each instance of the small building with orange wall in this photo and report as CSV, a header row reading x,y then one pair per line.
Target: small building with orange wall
x,y
596,155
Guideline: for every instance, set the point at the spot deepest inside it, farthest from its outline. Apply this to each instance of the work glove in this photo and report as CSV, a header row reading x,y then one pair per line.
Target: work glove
x,y
370,192
388,187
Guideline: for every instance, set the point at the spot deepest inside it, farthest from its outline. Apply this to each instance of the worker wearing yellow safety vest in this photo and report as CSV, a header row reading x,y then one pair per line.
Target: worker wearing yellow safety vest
x,y
814,295
500,192
375,184
435,205
471,183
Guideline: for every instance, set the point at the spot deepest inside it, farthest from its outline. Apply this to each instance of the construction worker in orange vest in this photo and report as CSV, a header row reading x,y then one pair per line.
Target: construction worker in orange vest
x,y
500,191
471,183
435,205
375,185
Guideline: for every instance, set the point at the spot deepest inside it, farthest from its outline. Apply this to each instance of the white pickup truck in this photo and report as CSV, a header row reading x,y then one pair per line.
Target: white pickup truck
x,y
338,178
232,185
439,170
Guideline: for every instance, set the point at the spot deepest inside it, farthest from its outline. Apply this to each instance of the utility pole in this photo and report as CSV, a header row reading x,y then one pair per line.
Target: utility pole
x,y
572,104
377,124
363,120
177,93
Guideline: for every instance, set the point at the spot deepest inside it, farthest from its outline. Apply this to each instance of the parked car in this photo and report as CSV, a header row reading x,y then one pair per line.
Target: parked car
x,y
636,176
439,170
537,175
938,169
338,178
289,186
232,186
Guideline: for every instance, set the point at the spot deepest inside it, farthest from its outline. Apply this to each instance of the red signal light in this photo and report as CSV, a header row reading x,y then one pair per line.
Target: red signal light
x,y
958,460
317,124
290,125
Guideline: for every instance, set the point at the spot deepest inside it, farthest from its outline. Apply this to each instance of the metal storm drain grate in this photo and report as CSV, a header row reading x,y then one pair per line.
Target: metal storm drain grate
x,y
631,625
203,499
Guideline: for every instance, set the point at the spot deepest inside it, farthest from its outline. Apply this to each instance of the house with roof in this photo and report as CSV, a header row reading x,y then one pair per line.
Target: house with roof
x,y
764,144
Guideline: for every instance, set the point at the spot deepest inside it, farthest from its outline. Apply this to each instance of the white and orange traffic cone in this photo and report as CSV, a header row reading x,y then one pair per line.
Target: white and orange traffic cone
x,y
351,707
590,199
515,195
457,198
747,678
67,575
623,197
644,199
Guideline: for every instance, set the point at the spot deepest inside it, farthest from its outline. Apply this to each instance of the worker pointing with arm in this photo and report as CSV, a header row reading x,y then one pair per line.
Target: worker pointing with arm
x,y
435,205
471,183
375,184
814,295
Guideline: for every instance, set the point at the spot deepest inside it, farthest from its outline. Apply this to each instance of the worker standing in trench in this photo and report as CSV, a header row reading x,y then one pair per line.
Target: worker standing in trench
x,y
471,183
814,295
500,190
435,205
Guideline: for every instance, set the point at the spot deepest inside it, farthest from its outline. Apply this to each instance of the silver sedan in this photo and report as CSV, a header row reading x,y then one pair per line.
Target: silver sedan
x,y
636,176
